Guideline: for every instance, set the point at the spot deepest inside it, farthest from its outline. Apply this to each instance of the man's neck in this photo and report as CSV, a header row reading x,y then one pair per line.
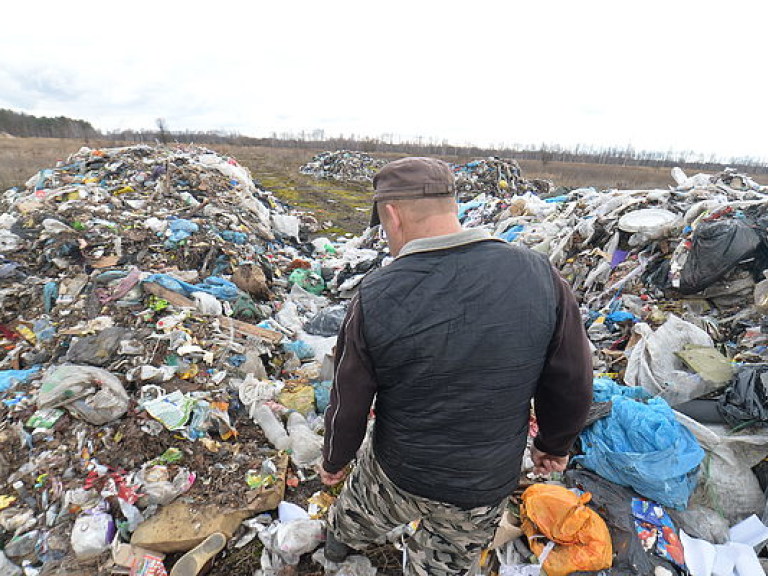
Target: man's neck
x,y
438,227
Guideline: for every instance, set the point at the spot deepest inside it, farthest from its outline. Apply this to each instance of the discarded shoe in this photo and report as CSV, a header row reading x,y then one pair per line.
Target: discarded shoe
x,y
193,561
335,551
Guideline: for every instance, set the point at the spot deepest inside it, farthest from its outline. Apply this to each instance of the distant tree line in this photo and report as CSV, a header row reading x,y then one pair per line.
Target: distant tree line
x,y
588,154
26,125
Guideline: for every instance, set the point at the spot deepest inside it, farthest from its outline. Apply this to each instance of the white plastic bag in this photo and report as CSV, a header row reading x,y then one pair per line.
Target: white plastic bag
x,y
355,565
286,225
284,543
9,242
727,483
307,447
298,537
158,489
207,304
90,393
92,534
654,365
8,568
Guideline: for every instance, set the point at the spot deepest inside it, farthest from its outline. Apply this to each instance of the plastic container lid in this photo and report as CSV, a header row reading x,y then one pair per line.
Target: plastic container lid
x,y
647,220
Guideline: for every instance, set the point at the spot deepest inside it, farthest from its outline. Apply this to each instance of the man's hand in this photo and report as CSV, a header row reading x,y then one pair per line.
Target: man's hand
x,y
544,464
331,479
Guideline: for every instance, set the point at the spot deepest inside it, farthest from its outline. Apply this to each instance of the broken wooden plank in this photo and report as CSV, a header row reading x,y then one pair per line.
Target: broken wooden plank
x,y
237,325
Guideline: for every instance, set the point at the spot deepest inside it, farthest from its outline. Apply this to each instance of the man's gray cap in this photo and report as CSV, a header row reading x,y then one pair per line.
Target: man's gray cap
x,y
410,178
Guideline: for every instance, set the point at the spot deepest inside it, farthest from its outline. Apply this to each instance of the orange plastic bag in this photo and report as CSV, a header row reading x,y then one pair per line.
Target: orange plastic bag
x,y
557,514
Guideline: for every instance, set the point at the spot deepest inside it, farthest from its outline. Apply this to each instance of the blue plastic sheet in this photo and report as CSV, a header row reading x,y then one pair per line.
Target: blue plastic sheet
x,y
642,446
322,394
604,389
10,377
234,237
301,348
180,230
218,287
621,316
8,269
50,294
511,234
467,206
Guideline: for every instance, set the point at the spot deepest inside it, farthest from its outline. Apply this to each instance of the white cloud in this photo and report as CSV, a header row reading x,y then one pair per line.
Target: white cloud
x,y
659,75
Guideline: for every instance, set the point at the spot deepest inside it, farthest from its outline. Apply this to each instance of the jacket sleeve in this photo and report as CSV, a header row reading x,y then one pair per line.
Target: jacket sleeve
x,y
354,386
564,392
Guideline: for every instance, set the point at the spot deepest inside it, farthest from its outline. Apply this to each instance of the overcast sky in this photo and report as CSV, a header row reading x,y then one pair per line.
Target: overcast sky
x,y
659,75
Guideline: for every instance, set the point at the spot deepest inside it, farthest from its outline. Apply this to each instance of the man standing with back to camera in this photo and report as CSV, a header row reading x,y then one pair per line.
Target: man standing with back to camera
x,y
453,339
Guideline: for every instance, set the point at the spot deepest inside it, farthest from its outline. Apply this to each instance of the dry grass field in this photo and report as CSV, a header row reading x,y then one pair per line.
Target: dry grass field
x,y
343,204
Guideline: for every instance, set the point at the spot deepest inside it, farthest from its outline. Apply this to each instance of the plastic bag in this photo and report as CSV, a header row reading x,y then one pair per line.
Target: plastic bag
x,y
207,304
213,285
643,446
300,398
614,504
322,394
178,231
582,537
310,281
9,378
99,349
92,534
728,484
158,489
327,322
285,225
701,522
9,242
717,248
92,394
352,566
298,537
8,568
302,349
284,543
307,447
746,399
654,365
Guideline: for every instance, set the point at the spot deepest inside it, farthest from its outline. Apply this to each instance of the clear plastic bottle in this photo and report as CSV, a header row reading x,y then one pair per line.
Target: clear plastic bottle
x,y
272,427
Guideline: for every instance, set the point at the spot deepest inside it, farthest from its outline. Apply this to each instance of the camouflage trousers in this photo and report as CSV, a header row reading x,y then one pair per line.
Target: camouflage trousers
x,y
372,510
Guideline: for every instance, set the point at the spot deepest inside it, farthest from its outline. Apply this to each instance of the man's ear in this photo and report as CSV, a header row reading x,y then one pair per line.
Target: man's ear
x,y
393,215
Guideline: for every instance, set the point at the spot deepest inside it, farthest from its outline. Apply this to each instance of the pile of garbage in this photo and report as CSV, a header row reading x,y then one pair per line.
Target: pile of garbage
x,y
495,176
166,336
164,355
343,165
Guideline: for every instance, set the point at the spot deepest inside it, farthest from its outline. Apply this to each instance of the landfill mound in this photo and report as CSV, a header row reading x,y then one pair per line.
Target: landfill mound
x,y
343,165
152,299
166,329
496,176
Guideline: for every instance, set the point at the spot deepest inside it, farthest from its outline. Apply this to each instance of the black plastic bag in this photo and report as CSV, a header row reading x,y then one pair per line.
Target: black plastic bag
x,y
327,322
746,398
717,248
614,504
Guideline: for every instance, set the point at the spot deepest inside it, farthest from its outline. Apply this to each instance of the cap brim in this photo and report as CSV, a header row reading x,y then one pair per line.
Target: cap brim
x,y
374,217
